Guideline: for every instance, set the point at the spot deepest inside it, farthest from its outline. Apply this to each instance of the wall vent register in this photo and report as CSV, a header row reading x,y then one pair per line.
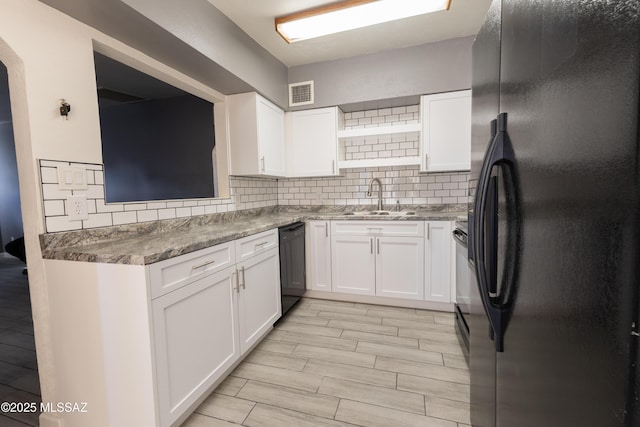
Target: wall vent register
x,y
301,93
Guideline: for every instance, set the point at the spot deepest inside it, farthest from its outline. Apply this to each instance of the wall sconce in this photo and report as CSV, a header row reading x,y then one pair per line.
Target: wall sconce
x,y
65,108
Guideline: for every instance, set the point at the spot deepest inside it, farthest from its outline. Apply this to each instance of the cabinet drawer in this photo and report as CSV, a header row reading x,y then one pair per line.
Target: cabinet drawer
x,y
379,228
256,243
171,274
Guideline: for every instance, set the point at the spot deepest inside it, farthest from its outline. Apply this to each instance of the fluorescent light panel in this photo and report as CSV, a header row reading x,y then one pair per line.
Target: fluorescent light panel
x,y
351,14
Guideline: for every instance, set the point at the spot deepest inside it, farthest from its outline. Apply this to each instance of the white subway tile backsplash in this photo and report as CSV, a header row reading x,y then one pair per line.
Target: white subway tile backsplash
x,y
51,192
54,208
252,193
197,210
91,206
135,206
94,192
403,183
156,205
52,163
147,215
124,217
61,223
183,212
49,175
111,207
98,220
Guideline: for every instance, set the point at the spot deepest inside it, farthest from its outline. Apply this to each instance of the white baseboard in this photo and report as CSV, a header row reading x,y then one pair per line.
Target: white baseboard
x,y
395,302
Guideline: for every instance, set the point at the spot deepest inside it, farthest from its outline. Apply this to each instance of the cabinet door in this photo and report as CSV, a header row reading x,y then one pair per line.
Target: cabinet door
x,y
242,127
196,340
270,138
353,264
438,256
313,142
400,267
259,296
318,256
446,131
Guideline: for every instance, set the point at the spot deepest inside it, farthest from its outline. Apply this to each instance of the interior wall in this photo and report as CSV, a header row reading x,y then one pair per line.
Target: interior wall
x,y
219,39
10,213
419,70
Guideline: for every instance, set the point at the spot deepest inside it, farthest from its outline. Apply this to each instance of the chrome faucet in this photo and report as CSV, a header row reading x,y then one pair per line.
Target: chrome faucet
x,y
369,193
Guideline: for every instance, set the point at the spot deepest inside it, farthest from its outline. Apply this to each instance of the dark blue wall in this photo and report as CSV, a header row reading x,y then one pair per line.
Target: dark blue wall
x,y
10,213
158,149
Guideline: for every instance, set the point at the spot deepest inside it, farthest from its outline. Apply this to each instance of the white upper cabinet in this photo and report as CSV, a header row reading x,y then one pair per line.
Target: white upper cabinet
x,y
312,142
256,136
446,132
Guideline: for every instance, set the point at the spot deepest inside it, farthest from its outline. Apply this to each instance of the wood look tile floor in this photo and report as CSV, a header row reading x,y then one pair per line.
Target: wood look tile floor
x,y
333,363
19,380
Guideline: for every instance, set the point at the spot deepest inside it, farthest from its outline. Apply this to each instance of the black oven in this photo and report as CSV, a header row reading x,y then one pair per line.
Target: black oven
x,y
462,306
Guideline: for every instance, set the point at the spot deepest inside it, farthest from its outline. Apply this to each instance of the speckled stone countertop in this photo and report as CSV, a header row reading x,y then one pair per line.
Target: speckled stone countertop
x,y
146,243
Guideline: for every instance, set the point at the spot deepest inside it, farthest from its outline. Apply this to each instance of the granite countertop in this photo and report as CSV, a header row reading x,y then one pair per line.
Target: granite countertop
x,y
146,243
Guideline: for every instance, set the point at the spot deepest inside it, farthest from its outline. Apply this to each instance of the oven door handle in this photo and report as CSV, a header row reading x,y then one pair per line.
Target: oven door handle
x,y
461,237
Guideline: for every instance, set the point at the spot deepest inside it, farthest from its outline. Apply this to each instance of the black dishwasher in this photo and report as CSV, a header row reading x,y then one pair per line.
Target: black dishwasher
x,y
292,264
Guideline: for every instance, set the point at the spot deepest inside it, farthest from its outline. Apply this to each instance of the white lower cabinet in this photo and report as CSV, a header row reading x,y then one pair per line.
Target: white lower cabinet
x,y
258,298
196,340
396,259
202,327
318,255
400,267
378,258
438,261
353,264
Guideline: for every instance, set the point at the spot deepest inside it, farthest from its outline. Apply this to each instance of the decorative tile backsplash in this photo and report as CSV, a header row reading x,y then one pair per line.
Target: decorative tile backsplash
x,y
399,183
246,193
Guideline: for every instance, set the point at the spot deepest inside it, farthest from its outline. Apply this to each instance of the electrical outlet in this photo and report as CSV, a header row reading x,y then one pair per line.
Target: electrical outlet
x,y
77,208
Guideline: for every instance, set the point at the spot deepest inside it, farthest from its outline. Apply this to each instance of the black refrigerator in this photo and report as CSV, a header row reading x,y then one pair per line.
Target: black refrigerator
x,y
554,219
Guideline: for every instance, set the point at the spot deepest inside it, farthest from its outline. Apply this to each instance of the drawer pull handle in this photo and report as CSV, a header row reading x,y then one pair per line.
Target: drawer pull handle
x,y
204,264
261,243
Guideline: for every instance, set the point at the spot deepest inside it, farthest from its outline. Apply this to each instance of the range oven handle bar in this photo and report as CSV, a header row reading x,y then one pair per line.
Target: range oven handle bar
x,y
461,237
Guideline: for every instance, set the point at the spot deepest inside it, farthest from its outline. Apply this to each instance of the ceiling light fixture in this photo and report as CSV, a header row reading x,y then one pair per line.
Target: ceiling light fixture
x,y
351,14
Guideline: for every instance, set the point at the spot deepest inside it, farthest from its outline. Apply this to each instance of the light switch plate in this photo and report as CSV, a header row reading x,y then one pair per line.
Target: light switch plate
x,y
77,208
72,178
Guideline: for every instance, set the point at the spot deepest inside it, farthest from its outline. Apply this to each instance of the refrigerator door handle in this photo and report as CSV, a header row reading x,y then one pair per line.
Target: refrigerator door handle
x,y
499,153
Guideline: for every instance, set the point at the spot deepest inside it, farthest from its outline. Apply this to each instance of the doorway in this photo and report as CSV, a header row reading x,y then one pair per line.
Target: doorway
x,y
18,366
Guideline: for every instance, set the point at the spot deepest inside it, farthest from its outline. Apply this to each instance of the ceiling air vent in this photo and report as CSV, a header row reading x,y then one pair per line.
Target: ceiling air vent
x,y
301,93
